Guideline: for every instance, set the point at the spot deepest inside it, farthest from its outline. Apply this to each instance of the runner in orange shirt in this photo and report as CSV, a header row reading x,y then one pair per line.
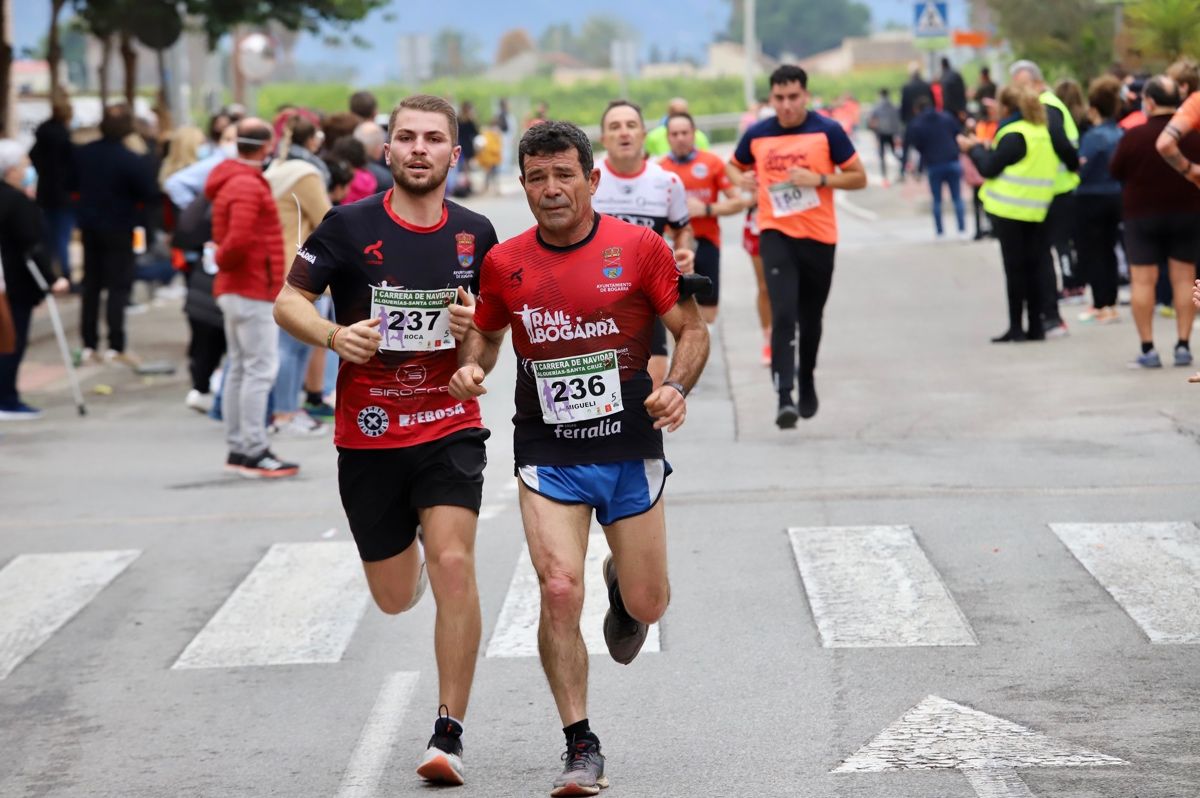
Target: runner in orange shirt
x,y
796,159
705,181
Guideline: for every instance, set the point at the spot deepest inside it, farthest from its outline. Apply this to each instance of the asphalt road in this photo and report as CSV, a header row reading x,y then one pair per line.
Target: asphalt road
x,y
874,604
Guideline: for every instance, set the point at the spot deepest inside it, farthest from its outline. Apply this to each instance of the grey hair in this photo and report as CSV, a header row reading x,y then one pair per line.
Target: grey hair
x,y
1025,65
11,155
370,134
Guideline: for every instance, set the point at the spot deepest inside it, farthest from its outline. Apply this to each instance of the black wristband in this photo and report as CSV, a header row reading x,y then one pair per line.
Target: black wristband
x,y
824,181
708,209
677,386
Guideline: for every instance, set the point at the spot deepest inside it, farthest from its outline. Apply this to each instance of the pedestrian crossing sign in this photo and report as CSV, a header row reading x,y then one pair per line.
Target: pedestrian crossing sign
x,y
929,20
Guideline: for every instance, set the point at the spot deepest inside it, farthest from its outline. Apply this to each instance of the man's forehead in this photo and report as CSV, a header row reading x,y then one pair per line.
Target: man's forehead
x,y
421,121
678,125
553,160
623,115
792,87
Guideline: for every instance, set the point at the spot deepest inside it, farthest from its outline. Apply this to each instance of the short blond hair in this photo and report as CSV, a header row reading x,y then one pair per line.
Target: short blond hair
x,y
1025,100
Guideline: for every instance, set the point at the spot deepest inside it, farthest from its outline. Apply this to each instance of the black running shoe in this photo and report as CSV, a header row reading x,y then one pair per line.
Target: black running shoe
x,y
268,466
442,762
584,771
786,417
235,462
808,397
623,634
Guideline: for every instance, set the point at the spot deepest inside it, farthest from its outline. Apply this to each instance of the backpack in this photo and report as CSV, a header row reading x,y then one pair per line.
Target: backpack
x,y
193,228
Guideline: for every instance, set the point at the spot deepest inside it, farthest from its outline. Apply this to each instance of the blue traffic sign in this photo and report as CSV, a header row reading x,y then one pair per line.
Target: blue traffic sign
x,y
930,19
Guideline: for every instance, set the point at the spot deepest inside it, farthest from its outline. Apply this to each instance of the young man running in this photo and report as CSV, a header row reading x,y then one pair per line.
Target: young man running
x,y
641,192
409,456
799,158
581,292
710,195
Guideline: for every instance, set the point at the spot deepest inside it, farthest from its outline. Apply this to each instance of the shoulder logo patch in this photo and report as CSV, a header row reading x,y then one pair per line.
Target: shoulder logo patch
x,y
612,263
465,243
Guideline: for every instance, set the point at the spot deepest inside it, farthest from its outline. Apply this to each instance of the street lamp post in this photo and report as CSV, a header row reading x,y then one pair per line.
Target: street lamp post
x,y
750,46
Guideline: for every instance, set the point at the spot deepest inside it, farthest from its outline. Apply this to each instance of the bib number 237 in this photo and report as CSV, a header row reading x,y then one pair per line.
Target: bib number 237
x,y
413,321
579,388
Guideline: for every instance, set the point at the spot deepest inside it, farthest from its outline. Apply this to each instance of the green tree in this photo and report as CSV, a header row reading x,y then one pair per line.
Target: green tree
x,y
557,38
801,27
596,35
220,16
1165,29
455,53
1071,36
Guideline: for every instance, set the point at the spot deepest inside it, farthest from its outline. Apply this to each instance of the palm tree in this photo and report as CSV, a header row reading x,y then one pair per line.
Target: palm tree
x,y
1165,29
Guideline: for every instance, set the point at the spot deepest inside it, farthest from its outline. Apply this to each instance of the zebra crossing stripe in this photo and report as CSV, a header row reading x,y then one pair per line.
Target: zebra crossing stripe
x,y
300,604
378,736
516,630
1151,570
873,586
39,593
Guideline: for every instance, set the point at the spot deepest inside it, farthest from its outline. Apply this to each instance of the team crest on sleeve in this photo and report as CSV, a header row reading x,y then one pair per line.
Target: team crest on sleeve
x,y
612,263
465,243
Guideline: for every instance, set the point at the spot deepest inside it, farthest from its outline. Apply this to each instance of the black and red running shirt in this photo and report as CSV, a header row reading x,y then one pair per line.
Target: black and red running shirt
x,y
602,293
396,399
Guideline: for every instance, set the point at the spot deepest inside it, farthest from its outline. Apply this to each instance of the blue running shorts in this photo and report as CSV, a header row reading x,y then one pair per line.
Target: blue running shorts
x,y
615,490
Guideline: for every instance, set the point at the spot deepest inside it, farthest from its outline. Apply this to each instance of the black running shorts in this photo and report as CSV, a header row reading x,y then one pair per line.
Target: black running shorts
x,y
1150,240
708,263
382,489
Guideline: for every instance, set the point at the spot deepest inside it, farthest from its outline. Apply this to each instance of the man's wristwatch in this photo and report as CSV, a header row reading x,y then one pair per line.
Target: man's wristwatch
x,y
708,209
677,386
824,181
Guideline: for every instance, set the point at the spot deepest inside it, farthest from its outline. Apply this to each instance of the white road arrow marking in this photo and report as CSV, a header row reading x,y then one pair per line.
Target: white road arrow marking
x,y
941,735
1152,570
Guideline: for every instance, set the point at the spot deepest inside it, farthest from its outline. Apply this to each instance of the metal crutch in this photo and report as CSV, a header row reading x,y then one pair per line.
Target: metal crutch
x,y
56,321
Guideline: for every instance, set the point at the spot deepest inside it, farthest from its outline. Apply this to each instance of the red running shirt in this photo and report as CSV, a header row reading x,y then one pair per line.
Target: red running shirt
x,y
600,294
395,399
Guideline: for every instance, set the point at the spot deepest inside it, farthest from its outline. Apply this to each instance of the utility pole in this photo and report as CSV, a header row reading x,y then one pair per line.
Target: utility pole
x,y
750,45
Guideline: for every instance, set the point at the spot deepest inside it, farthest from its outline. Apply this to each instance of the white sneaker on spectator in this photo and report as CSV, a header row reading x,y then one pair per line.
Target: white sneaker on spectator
x,y
300,425
200,402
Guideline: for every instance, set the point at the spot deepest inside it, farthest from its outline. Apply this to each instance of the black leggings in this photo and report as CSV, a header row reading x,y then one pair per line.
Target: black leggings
x,y
1099,222
1023,247
204,352
799,272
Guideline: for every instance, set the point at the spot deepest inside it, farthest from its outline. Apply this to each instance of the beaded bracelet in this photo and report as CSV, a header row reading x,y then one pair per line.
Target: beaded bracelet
x,y
329,339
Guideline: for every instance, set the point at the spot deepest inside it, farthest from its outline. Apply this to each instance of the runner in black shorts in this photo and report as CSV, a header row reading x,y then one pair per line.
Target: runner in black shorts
x,y
410,457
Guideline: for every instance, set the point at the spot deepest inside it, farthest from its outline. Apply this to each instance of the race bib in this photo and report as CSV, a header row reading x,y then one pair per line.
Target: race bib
x,y
789,200
579,388
413,321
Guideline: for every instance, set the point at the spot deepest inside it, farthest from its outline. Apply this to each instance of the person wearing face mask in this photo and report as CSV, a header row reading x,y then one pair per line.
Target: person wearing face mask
x,y
249,257
21,240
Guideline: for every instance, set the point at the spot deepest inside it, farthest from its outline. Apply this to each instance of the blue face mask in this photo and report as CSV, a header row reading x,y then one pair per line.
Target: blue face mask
x,y
203,151
30,177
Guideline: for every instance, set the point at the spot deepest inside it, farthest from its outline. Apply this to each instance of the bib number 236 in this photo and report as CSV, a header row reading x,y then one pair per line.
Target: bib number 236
x,y
579,388
413,321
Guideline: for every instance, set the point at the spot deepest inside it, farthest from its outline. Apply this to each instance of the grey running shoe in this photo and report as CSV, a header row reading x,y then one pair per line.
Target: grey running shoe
x,y
1147,360
584,771
623,634
1183,356
422,576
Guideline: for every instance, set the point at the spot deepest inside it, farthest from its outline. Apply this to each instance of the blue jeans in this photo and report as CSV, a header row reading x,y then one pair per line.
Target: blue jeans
x,y
60,223
293,362
951,174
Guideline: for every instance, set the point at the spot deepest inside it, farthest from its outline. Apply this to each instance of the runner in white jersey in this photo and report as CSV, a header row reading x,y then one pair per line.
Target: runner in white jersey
x,y
639,191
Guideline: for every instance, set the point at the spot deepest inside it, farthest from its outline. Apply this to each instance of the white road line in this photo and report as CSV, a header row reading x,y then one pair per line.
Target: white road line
x,y
300,604
997,784
1151,570
378,736
516,630
853,208
873,586
489,511
39,593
